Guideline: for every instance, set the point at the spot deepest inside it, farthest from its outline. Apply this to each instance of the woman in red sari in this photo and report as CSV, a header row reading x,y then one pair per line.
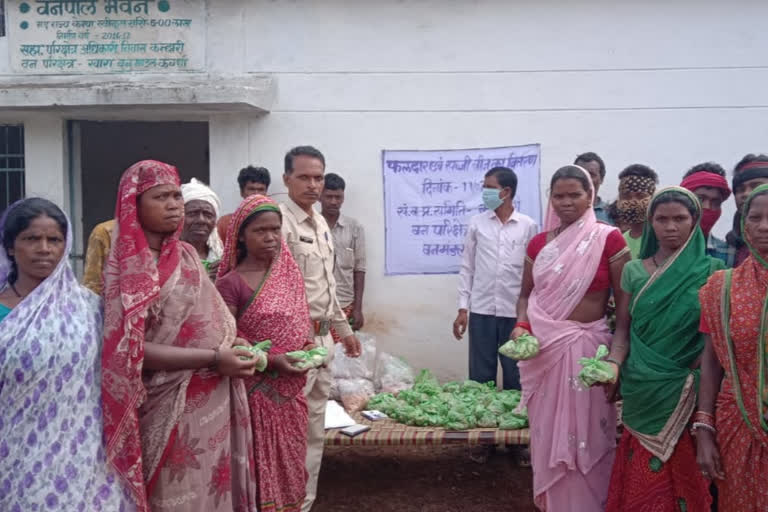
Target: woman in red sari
x,y
176,420
264,289
731,424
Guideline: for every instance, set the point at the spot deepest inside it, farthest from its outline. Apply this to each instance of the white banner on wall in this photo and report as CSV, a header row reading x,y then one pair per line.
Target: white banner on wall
x,y
429,197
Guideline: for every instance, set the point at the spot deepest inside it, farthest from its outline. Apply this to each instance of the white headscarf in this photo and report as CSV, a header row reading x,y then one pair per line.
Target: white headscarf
x,y
198,191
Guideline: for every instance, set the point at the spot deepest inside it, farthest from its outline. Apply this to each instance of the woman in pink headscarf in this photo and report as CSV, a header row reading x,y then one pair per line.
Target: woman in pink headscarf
x,y
569,272
176,417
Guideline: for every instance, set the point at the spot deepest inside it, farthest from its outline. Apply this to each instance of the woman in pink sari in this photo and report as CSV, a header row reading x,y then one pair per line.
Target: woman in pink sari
x,y
176,420
264,289
567,279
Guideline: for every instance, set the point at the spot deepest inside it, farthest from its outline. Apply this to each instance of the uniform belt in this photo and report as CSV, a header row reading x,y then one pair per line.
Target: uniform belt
x,y
322,327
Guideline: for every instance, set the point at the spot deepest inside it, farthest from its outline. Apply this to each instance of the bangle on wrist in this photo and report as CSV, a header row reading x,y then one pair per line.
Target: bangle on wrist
x,y
699,425
612,360
704,418
524,325
216,358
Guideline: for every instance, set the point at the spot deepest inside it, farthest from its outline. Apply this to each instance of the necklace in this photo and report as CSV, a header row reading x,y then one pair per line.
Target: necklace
x,y
656,262
13,287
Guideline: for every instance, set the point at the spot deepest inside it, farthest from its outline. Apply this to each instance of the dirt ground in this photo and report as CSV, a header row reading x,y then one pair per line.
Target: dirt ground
x,y
421,479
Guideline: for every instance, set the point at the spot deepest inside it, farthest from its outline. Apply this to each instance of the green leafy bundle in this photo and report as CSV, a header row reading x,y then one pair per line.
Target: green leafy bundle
x,y
454,405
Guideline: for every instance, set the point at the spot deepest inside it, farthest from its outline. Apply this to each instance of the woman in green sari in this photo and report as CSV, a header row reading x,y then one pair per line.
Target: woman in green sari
x,y
657,361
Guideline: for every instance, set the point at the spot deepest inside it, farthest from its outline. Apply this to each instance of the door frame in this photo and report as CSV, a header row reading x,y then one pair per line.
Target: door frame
x,y
74,177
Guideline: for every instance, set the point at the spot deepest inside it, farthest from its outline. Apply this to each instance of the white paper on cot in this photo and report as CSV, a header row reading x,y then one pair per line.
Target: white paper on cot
x,y
336,416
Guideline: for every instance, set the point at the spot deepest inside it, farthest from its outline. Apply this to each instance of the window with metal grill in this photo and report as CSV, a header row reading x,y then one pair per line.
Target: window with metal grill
x,y
2,18
11,164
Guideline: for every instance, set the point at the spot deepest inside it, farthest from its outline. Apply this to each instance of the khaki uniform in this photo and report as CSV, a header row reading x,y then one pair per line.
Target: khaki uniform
x,y
311,244
349,243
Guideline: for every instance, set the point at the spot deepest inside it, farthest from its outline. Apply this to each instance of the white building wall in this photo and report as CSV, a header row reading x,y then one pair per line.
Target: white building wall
x,y
45,155
669,84
665,83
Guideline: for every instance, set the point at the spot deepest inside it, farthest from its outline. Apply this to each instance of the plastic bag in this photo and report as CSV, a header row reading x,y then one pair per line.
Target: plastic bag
x,y
412,397
496,407
362,367
435,406
426,383
473,386
355,393
451,387
523,348
259,351
487,419
509,399
595,369
457,425
514,420
311,359
459,418
420,418
393,374
384,402
334,393
454,406
402,412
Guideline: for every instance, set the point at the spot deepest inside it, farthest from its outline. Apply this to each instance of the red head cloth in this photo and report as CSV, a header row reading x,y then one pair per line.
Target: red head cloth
x,y
132,281
707,179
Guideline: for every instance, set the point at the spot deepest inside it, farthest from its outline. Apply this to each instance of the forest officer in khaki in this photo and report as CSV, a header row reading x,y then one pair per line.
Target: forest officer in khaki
x,y
309,239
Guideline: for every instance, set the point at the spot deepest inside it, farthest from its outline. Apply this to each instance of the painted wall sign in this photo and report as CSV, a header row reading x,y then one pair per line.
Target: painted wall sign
x,y
106,36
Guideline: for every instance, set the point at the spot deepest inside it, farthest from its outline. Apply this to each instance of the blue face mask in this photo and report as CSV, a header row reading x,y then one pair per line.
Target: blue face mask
x,y
492,198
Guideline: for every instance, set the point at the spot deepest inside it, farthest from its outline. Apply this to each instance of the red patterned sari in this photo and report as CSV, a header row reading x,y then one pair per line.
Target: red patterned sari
x,y
734,306
277,311
180,439
741,434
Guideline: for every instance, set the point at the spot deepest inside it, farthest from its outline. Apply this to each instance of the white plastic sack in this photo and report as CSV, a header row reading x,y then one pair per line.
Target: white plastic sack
x,y
334,394
362,367
393,374
355,393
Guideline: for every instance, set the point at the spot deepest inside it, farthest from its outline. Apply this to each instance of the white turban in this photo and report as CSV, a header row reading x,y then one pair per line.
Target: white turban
x,y
198,191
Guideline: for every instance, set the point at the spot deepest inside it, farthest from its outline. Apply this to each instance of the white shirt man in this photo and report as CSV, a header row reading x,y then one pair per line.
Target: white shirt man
x,y
490,278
